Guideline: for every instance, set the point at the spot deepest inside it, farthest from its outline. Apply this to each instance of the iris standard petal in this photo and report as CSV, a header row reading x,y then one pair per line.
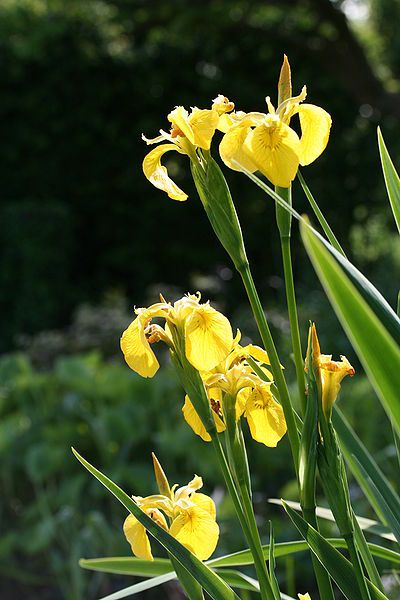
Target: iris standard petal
x,y
274,150
208,338
315,125
136,349
265,417
157,174
197,530
203,124
136,535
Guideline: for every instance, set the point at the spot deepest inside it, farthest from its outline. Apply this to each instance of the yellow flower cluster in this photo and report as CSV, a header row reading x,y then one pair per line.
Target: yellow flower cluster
x,y
205,335
255,141
206,332
189,516
252,396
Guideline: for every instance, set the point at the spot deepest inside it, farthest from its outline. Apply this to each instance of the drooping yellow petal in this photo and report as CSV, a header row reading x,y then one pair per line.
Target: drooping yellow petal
x,y
265,416
274,150
136,349
203,124
157,174
232,149
208,337
315,125
197,530
179,118
193,419
136,535
304,596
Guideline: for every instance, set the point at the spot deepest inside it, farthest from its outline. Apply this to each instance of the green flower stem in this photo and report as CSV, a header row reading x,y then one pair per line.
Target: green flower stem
x,y
358,570
284,224
252,539
268,342
251,519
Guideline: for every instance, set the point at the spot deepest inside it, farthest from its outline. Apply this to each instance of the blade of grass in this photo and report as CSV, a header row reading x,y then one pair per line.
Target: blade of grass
x,y
392,179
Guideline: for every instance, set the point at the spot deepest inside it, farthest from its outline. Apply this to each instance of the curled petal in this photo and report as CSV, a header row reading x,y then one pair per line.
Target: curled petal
x,y
203,124
208,337
265,416
157,174
315,125
274,150
197,530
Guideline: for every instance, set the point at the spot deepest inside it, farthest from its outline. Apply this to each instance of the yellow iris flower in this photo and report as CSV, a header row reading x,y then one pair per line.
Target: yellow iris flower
x,y
330,373
266,142
189,516
188,132
254,400
206,333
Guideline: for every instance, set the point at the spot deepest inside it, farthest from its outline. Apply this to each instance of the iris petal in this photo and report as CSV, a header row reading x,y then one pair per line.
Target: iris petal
x,y
315,125
196,529
193,419
157,174
203,124
265,417
232,149
136,535
274,150
136,349
208,336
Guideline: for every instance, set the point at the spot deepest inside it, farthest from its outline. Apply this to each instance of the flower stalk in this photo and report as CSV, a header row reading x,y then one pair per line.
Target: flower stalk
x,y
276,367
283,218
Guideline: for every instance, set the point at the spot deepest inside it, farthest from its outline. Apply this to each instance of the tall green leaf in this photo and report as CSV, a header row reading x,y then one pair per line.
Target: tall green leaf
x,y
376,349
129,565
392,518
367,525
338,567
356,454
392,179
213,584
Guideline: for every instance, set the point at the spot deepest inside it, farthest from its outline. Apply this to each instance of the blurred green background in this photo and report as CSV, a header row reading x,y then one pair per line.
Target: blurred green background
x,y
84,237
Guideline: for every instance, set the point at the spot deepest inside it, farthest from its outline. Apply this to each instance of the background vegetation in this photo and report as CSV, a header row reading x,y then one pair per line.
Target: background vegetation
x,y
83,237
